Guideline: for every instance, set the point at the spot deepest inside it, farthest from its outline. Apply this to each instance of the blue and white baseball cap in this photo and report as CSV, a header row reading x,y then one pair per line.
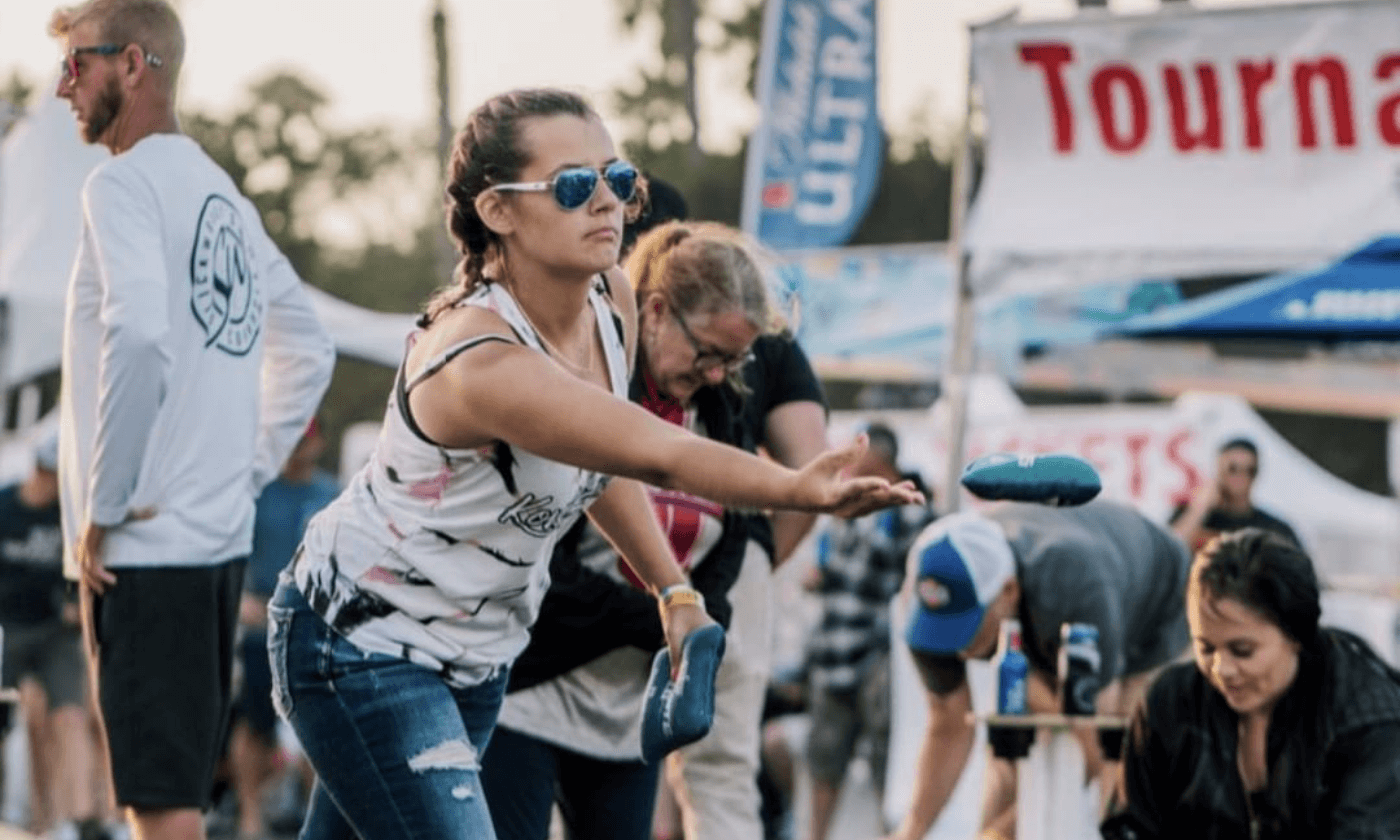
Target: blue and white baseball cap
x,y
960,563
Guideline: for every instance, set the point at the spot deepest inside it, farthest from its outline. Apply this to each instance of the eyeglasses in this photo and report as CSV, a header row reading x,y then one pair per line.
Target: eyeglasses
x,y
709,358
70,61
1241,469
574,187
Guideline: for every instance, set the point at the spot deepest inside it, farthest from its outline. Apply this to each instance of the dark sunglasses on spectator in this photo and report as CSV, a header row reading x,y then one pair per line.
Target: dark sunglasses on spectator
x,y
70,60
573,188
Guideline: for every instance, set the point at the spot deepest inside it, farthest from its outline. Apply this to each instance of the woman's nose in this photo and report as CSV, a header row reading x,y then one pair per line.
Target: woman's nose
x,y
1224,666
603,199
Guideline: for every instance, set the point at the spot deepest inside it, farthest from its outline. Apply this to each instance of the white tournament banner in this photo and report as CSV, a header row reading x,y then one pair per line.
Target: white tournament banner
x,y
1185,142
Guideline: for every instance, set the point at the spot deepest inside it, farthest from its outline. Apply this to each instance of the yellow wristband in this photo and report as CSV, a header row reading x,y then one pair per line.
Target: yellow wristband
x,y
679,595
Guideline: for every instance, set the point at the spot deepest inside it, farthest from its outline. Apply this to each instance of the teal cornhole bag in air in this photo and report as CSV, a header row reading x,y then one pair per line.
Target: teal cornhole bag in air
x,y
1056,480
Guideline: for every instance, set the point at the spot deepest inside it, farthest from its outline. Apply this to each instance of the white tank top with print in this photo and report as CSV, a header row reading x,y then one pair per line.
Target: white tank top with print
x,y
441,556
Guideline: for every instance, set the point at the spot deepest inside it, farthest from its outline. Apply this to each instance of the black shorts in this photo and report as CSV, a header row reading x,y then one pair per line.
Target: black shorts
x,y
165,639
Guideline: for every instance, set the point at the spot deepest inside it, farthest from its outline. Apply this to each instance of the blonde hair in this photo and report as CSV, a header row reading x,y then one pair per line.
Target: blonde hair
x,y
150,24
703,268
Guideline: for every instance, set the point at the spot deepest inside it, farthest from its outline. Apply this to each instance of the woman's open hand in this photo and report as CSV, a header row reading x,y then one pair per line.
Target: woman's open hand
x,y
824,482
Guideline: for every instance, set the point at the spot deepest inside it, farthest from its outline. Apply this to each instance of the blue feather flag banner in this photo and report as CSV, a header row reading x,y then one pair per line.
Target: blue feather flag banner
x,y
814,159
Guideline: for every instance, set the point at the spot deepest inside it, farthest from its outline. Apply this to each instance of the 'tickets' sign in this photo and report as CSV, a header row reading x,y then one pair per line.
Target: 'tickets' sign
x,y
1186,142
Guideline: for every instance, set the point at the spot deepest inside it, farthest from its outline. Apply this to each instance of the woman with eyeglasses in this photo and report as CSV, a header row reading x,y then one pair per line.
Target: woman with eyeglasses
x,y
1281,728
393,630
568,729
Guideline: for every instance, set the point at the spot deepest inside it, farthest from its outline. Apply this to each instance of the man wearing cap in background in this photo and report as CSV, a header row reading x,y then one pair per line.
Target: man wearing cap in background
x,y
1102,564
44,645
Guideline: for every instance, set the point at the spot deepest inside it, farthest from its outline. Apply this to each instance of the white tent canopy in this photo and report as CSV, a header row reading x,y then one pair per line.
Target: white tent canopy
x,y
43,164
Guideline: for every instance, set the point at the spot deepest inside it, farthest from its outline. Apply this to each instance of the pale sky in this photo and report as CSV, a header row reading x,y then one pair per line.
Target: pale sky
x,y
374,59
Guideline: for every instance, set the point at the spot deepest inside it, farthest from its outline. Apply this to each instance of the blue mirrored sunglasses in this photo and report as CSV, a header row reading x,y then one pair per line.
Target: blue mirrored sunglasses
x,y
573,187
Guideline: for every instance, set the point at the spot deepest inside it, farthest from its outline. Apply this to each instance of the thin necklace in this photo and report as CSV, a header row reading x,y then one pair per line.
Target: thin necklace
x,y
582,371
1254,827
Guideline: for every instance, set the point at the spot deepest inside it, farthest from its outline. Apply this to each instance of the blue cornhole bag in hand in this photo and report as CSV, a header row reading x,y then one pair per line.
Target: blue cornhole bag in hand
x,y
679,712
1056,480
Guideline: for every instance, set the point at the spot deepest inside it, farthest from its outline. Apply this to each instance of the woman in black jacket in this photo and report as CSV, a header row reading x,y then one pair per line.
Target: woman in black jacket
x,y
1280,729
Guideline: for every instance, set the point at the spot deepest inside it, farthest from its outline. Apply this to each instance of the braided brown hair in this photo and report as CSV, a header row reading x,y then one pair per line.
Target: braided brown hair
x,y
489,150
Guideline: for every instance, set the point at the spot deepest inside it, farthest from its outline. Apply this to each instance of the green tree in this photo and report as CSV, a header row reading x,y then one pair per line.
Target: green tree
x,y
297,169
661,106
292,166
911,203
743,35
660,113
665,106
16,90
14,99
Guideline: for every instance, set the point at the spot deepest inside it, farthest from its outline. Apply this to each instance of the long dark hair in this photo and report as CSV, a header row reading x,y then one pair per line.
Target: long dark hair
x,y
1267,573
489,150
1274,577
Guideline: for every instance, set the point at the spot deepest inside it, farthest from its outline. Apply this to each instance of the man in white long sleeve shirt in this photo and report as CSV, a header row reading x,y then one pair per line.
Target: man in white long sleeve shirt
x,y
192,362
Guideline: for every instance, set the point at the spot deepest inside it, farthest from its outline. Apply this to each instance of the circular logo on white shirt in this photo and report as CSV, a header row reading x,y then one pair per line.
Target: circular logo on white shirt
x,y
224,291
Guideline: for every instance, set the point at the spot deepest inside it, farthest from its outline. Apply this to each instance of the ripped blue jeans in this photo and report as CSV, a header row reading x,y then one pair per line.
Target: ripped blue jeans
x,y
396,749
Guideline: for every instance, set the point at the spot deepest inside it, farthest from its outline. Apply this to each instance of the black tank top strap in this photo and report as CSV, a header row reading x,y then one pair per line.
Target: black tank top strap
x,y
603,287
439,361
403,385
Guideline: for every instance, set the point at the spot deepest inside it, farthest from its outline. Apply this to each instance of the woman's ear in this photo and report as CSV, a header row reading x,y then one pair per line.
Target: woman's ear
x,y
494,212
649,314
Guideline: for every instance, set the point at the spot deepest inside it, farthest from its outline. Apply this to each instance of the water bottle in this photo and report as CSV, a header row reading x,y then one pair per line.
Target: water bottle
x,y
1078,667
1013,669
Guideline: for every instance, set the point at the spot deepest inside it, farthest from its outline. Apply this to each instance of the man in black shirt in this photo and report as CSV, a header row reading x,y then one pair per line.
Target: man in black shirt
x,y
42,643
1226,504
